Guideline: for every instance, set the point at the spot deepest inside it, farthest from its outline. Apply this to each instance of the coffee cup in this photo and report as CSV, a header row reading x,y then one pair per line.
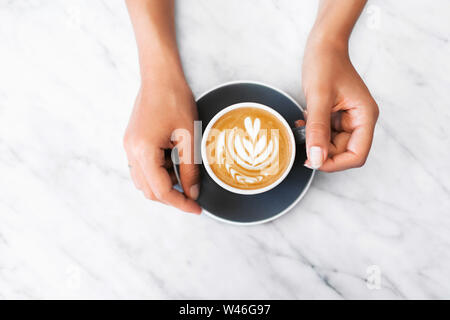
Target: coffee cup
x,y
249,148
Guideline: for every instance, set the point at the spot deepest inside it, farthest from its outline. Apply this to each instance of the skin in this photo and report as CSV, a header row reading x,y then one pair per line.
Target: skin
x,y
164,103
341,113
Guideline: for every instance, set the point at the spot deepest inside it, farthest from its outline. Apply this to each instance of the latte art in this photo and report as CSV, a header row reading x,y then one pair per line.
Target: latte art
x,y
248,148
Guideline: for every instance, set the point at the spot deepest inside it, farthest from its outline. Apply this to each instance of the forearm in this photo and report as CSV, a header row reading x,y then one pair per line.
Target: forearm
x,y
154,28
335,21
341,113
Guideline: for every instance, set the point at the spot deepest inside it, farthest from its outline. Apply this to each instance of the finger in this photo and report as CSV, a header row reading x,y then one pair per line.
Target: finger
x,y
140,182
318,130
189,176
149,194
173,176
160,182
131,166
189,171
138,178
136,181
163,190
143,183
336,121
339,142
358,147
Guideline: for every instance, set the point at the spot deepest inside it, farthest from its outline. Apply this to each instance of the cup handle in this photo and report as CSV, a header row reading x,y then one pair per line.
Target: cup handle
x,y
299,134
174,155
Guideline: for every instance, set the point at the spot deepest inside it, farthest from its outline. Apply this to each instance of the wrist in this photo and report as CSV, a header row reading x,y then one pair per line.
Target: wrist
x,y
162,67
322,40
166,81
334,23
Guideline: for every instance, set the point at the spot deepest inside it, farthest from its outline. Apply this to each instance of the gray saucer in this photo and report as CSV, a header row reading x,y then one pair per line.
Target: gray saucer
x,y
252,209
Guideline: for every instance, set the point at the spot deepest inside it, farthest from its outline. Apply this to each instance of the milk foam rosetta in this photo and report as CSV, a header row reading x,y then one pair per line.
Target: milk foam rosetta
x,y
248,148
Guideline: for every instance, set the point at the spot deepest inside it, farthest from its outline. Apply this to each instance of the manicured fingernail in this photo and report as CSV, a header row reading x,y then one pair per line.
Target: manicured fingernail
x,y
315,157
194,192
298,123
308,166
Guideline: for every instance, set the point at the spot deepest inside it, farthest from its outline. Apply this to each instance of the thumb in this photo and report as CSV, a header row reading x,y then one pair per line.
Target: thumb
x,y
189,176
189,171
318,131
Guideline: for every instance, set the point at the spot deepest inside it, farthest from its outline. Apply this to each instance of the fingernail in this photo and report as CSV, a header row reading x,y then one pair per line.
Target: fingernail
x,y
307,166
315,157
298,123
194,192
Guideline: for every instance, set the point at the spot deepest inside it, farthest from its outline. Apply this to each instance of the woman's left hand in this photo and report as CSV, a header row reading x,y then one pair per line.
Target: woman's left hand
x,y
341,113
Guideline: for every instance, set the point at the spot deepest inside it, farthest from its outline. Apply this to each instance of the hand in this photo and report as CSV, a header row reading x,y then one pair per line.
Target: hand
x,y
341,113
161,108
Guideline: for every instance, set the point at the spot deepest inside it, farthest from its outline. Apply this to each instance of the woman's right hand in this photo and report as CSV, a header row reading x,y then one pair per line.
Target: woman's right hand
x,y
162,107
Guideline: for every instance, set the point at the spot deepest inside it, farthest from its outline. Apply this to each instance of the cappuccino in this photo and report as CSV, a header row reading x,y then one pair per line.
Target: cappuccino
x,y
249,148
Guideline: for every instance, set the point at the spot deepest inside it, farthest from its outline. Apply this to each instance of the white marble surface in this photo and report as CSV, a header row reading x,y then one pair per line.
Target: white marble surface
x,y
72,225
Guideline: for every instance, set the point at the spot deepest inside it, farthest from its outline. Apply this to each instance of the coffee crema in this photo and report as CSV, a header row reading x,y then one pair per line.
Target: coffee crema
x,y
248,148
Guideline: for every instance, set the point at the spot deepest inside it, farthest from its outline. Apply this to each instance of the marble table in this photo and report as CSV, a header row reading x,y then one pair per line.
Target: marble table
x,y
73,226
